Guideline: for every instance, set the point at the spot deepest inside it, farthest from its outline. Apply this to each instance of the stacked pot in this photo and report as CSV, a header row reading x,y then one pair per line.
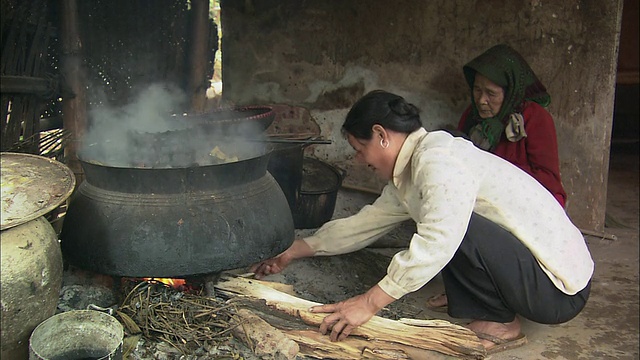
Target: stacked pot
x,y
31,275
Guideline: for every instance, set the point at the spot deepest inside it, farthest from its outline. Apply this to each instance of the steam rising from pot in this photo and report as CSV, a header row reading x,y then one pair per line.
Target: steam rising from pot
x,y
152,132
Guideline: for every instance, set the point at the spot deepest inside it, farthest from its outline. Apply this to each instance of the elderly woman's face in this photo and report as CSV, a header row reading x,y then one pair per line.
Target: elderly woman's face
x,y
488,96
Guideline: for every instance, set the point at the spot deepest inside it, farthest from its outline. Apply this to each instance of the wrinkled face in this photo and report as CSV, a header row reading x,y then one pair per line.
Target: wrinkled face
x,y
374,155
488,96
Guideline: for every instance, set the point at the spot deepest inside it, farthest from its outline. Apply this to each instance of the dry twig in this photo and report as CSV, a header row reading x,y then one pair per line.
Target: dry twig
x,y
185,321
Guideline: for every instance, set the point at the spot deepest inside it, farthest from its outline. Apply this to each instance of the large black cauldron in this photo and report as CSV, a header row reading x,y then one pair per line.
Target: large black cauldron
x,y
176,222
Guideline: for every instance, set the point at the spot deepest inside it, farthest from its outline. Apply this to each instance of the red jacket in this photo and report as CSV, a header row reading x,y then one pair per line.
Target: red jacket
x,y
537,154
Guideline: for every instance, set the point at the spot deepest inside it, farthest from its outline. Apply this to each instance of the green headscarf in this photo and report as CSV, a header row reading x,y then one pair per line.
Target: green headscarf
x,y
504,66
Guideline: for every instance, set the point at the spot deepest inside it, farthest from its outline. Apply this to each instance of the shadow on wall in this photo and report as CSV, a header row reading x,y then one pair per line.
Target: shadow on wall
x,y
626,114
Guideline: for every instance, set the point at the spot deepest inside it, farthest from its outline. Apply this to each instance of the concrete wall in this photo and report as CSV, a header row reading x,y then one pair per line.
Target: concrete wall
x,y
324,55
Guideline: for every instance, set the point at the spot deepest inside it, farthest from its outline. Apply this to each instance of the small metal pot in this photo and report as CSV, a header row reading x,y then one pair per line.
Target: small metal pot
x,y
285,165
318,193
77,334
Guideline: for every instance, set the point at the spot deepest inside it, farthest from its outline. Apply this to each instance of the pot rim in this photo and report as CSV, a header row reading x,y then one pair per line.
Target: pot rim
x,y
268,149
263,120
340,175
72,317
32,186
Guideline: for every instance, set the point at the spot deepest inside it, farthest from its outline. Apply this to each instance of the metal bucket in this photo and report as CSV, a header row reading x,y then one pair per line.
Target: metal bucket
x,y
77,334
318,193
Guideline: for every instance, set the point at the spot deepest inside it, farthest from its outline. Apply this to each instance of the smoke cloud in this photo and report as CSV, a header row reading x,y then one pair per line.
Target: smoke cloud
x,y
151,131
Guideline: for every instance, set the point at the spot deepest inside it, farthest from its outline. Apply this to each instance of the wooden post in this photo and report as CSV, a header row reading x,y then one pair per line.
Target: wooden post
x,y
198,82
74,107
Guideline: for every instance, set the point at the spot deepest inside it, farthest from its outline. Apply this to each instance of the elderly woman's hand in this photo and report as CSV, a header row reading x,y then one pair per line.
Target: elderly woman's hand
x,y
351,313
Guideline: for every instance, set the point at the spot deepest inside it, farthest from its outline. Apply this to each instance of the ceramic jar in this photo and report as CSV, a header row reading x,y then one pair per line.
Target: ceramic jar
x,y
31,275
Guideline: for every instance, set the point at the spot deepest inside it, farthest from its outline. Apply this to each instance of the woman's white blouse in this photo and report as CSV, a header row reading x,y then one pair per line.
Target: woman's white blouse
x,y
438,181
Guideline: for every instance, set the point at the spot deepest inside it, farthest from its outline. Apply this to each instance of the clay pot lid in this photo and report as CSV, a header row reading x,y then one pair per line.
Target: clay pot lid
x,y
32,186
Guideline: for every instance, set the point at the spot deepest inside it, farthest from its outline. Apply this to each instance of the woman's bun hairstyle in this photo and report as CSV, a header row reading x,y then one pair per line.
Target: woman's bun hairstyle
x,y
383,108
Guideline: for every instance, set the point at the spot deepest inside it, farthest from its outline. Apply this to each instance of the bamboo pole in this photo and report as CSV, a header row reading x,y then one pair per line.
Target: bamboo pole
x,y
74,107
198,82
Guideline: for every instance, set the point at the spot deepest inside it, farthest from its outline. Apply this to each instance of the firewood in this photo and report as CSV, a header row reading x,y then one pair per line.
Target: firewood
x,y
314,344
285,288
379,338
262,338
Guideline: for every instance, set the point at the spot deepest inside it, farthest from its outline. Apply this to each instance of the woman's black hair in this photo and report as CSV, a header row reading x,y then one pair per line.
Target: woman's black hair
x,y
388,110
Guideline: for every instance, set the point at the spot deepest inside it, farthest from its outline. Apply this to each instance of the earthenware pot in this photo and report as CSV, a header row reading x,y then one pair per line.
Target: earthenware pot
x,y
31,275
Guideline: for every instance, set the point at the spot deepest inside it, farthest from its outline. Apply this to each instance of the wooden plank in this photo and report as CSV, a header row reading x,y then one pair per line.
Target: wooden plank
x,y
24,85
262,338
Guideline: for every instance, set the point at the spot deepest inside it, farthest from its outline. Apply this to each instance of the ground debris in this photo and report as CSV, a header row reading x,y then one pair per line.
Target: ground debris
x,y
184,325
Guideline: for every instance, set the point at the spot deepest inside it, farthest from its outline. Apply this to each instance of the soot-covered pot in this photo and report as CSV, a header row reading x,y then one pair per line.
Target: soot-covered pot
x,y
176,221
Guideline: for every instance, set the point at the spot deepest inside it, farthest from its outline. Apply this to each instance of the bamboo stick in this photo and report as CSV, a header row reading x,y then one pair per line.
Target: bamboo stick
x,y
74,107
197,85
361,189
599,234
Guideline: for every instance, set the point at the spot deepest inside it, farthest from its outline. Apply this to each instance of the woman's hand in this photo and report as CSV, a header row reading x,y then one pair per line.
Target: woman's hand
x,y
297,250
351,313
271,266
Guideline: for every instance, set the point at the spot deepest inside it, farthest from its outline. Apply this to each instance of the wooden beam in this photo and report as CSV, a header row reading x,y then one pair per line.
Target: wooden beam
x,y
26,85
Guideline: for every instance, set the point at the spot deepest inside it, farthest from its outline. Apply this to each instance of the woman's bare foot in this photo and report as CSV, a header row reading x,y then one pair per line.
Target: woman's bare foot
x,y
503,331
437,301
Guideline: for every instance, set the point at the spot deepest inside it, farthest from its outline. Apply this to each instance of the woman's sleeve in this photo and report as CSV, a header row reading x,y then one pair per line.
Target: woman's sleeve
x,y
542,150
448,192
355,232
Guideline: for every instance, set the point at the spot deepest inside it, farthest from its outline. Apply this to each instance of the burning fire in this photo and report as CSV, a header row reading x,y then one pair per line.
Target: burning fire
x,y
182,285
174,283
